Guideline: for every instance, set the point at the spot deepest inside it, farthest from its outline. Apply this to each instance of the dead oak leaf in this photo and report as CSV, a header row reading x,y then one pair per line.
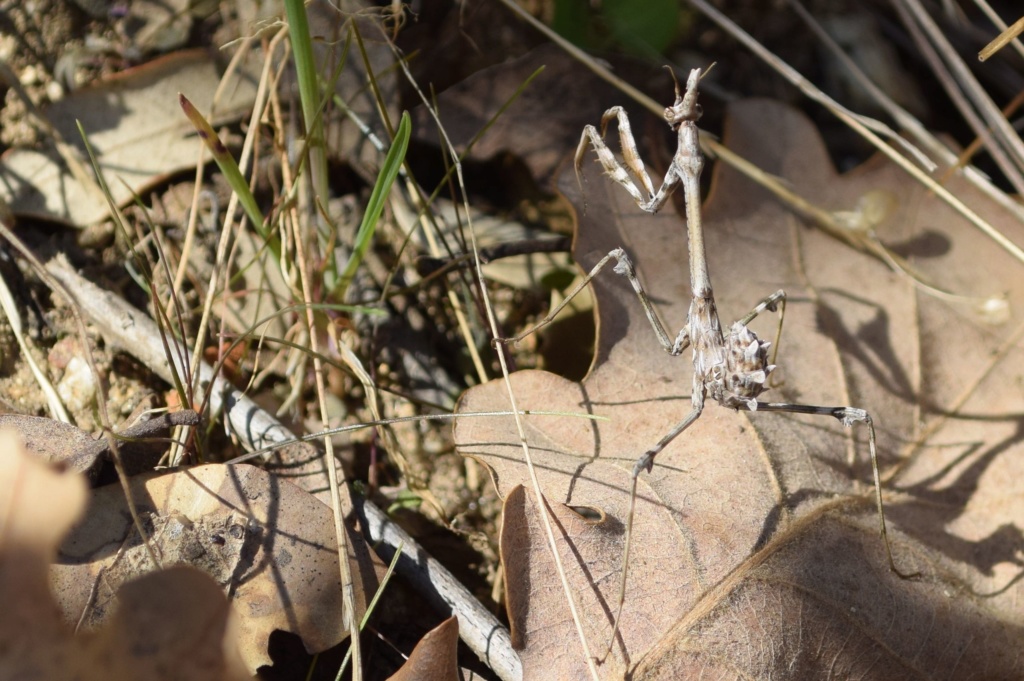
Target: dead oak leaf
x,y
268,544
435,657
173,623
530,127
141,445
756,549
37,506
169,624
138,136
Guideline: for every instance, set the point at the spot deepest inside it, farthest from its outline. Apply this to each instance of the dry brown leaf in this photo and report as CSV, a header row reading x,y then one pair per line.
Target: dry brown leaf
x,y
756,549
435,657
66,445
37,507
530,128
171,624
135,128
141,137
269,544
54,441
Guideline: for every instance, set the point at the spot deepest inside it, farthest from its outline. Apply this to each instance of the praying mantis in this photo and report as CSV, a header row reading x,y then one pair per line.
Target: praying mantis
x,y
732,366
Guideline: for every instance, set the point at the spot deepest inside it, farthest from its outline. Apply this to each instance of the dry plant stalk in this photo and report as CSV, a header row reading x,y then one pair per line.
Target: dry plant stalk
x,y
731,367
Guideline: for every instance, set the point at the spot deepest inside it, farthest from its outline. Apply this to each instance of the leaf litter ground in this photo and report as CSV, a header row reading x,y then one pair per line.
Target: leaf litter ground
x,y
904,357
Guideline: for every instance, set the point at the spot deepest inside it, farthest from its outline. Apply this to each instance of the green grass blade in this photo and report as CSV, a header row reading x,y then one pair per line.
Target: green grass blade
x,y
229,168
309,94
386,178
